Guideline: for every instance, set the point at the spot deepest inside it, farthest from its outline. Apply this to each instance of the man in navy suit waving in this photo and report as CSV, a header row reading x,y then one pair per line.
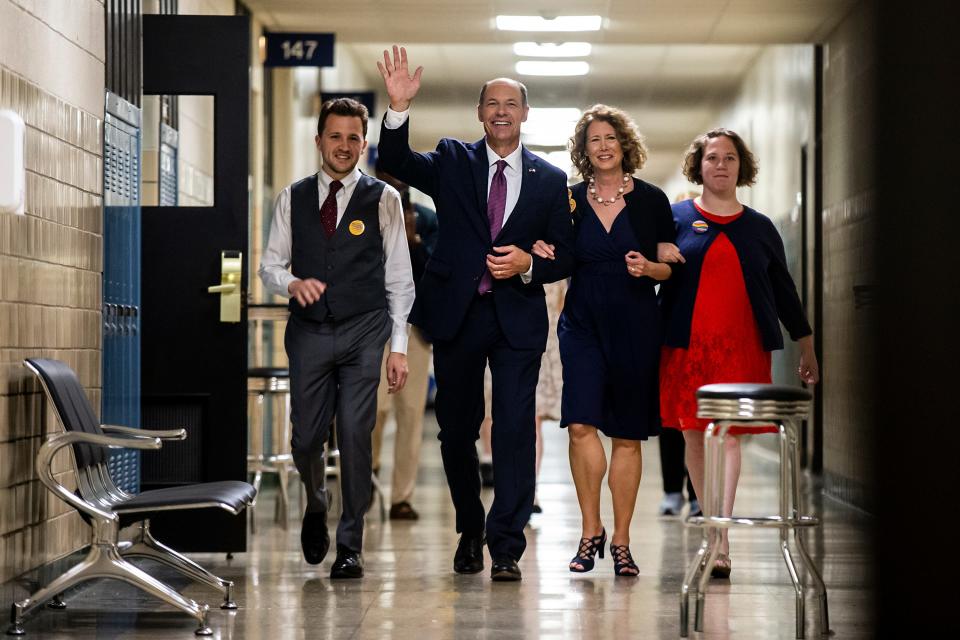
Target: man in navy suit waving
x,y
481,299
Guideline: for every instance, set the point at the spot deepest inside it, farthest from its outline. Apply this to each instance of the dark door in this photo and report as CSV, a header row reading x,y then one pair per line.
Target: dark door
x,y
193,363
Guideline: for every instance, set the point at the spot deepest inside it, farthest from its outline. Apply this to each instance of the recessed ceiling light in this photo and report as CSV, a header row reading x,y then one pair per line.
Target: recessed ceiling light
x,y
552,68
539,23
552,49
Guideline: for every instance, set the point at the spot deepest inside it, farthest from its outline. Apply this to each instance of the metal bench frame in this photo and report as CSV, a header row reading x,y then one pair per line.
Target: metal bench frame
x,y
96,498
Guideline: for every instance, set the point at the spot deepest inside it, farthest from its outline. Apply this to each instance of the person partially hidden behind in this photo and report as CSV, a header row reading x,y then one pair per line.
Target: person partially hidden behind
x,y
351,288
409,404
481,299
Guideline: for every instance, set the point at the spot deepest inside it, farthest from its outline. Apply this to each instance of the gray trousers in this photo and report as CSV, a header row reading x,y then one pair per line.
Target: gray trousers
x,y
334,372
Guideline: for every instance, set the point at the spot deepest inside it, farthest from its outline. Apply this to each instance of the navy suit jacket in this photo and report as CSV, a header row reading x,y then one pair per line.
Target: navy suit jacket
x,y
455,176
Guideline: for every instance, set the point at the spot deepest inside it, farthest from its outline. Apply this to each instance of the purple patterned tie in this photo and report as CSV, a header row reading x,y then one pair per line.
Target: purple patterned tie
x,y
496,203
328,211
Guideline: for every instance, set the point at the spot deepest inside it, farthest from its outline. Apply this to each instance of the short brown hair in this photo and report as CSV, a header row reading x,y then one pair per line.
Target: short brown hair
x,y
342,107
694,157
631,142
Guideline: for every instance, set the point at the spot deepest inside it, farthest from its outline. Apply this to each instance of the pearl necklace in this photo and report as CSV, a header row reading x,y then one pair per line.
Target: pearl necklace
x,y
593,191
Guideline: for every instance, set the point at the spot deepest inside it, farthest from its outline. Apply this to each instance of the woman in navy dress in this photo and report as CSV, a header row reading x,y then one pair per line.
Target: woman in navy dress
x,y
609,330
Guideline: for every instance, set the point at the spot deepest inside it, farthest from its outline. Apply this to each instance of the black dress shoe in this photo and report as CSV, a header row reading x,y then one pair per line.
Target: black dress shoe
x,y
348,564
469,555
486,475
505,569
314,538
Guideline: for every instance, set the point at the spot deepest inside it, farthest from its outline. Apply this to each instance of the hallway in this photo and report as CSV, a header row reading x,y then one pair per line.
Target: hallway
x,y
410,591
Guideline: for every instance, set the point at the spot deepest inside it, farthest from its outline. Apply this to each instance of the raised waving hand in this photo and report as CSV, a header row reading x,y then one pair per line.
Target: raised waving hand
x,y
401,86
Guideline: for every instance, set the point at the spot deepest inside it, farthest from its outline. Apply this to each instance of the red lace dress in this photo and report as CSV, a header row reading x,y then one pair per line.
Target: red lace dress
x,y
725,344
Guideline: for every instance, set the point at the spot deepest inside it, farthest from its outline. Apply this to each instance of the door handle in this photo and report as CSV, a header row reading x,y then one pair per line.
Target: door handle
x,y
231,270
221,288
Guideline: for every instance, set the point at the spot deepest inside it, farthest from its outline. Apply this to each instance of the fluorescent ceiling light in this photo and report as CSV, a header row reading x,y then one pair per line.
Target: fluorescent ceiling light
x,y
553,114
552,68
552,49
555,138
539,23
549,127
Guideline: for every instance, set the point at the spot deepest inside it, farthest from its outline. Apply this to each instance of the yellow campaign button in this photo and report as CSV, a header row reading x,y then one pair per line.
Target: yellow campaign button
x,y
357,227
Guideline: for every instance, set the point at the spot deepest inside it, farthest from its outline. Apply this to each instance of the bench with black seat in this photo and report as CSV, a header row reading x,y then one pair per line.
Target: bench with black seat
x,y
107,509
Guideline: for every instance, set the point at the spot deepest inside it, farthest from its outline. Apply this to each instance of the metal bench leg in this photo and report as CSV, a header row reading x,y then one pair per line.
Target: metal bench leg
x,y
146,546
85,570
131,574
104,561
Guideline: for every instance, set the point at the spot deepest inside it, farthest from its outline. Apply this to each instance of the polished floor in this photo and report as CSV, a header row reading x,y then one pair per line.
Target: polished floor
x,y
411,592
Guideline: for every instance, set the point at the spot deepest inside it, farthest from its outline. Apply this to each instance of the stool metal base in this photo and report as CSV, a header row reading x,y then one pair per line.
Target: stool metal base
x,y
788,520
280,461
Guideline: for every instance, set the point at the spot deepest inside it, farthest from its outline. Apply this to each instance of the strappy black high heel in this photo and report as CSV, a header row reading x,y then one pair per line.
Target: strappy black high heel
x,y
623,564
589,547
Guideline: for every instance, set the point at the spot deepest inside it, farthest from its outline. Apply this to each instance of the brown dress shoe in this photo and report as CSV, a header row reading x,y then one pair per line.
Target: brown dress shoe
x,y
403,511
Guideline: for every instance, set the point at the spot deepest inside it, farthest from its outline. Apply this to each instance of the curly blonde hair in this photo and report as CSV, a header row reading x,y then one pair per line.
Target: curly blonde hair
x,y
631,142
694,157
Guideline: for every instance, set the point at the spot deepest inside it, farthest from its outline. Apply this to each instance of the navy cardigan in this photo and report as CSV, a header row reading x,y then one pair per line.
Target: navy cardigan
x,y
769,286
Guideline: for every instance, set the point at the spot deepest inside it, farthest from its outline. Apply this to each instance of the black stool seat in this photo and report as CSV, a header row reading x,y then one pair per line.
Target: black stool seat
x,y
736,391
267,372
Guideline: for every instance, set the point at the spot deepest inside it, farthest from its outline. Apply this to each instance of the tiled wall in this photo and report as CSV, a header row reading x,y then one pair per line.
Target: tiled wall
x,y
50,258
848,218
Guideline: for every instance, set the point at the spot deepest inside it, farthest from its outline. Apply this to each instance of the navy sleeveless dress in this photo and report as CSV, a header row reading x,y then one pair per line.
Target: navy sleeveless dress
x,y
609,334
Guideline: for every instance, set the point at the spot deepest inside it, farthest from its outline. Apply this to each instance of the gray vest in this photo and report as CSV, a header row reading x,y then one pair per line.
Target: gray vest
x,y
350,262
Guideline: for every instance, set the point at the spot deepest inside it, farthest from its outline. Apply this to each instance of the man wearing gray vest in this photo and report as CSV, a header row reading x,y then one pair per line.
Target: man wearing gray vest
x,y
351,288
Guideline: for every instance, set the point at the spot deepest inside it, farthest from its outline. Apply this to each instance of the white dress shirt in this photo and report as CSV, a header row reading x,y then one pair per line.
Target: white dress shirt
x,y
513,172
398,275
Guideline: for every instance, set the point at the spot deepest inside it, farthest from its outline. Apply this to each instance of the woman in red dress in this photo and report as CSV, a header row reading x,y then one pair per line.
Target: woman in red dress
x,y
722,309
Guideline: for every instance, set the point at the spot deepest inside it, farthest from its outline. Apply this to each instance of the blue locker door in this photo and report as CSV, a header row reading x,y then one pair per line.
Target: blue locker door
x,y
121,281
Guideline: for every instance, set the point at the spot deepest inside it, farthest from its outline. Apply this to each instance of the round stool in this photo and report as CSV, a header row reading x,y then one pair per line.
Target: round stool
x,y
751,408
266,385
